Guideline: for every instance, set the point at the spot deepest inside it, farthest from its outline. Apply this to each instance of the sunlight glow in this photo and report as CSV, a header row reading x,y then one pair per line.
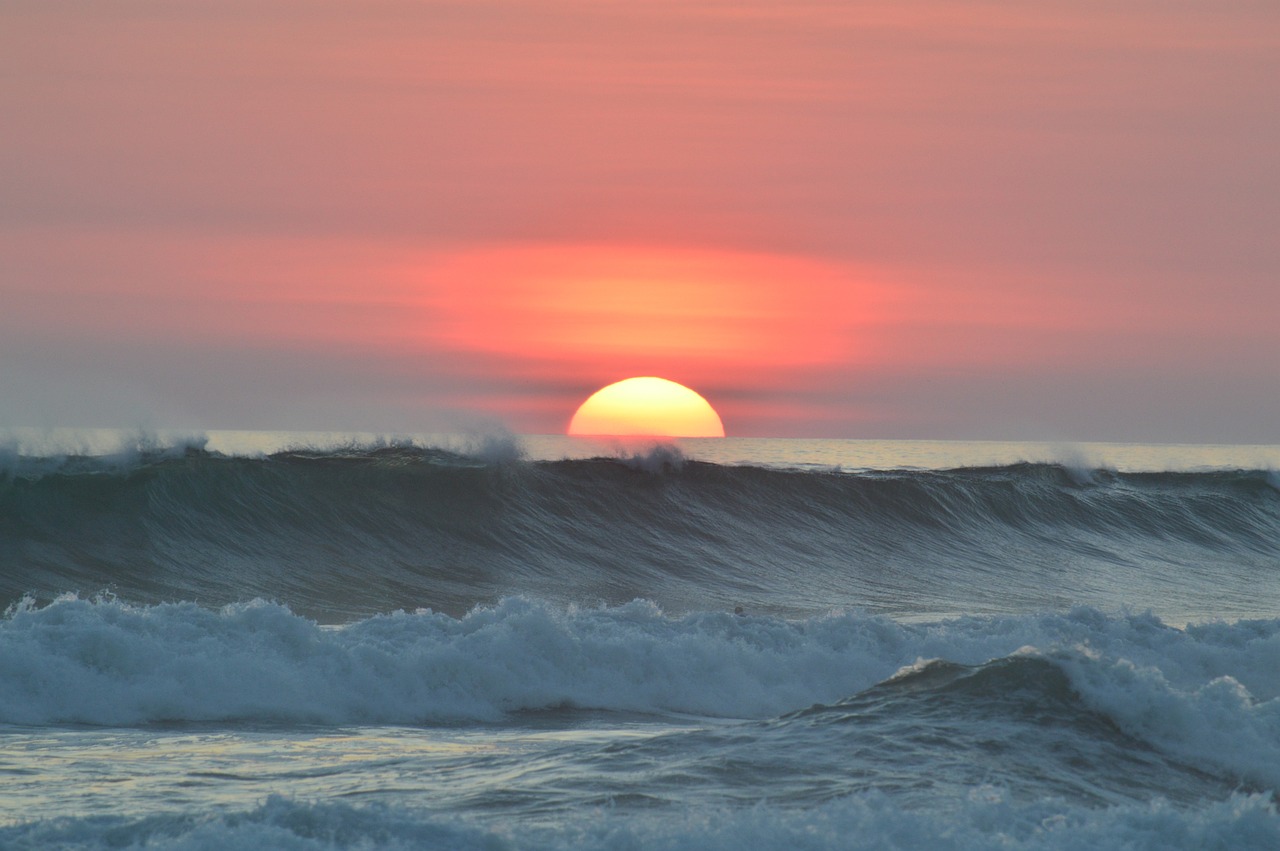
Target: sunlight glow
x,y
649,407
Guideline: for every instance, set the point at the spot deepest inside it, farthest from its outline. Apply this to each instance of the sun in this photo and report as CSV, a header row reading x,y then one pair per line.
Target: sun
x,y
646,407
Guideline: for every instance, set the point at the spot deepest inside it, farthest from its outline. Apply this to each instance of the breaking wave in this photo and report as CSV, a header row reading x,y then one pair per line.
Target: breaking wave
x,y
346,533
1208,694
873,821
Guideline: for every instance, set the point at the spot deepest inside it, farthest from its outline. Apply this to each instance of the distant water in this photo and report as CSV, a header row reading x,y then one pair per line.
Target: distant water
x,y
250,640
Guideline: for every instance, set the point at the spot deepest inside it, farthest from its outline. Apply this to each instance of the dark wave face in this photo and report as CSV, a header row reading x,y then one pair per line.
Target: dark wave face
x,y
342,534
1015,724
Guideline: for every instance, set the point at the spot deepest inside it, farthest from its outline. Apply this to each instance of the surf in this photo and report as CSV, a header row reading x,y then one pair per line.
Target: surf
x,y
349,532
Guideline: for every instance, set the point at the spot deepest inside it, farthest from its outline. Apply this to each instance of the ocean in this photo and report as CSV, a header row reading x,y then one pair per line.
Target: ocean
x,y
312,641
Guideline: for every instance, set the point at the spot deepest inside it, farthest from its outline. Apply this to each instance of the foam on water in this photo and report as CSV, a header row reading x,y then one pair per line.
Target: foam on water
x,y
868,821
535,708
1210,694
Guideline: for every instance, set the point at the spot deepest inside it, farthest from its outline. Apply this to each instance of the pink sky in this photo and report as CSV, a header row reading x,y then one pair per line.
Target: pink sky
x,y
1051,220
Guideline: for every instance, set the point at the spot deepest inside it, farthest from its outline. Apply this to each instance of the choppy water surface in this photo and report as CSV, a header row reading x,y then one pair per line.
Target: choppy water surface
x,y
274,641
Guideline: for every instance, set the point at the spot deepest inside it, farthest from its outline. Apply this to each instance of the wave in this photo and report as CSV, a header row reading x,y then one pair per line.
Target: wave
x,y
870,821
1207,695
349,532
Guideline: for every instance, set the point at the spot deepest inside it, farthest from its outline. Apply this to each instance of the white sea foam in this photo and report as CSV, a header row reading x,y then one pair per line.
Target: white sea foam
x,y
989,820
1218,724
1210,693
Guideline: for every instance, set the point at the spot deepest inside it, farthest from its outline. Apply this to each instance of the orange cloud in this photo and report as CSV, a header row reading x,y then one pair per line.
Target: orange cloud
x,y
628,308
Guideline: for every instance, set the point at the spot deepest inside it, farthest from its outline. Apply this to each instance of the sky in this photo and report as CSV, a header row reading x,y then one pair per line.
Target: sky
x,y
1053,220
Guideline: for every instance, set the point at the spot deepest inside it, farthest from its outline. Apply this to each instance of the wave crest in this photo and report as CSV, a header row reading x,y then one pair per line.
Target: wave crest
x,y
347,532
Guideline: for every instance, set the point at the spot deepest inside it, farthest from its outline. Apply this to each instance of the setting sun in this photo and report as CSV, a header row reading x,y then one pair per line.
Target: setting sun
x,y
649,407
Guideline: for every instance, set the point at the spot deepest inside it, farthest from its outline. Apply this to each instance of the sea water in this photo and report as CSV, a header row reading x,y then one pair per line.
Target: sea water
x,y
250,640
